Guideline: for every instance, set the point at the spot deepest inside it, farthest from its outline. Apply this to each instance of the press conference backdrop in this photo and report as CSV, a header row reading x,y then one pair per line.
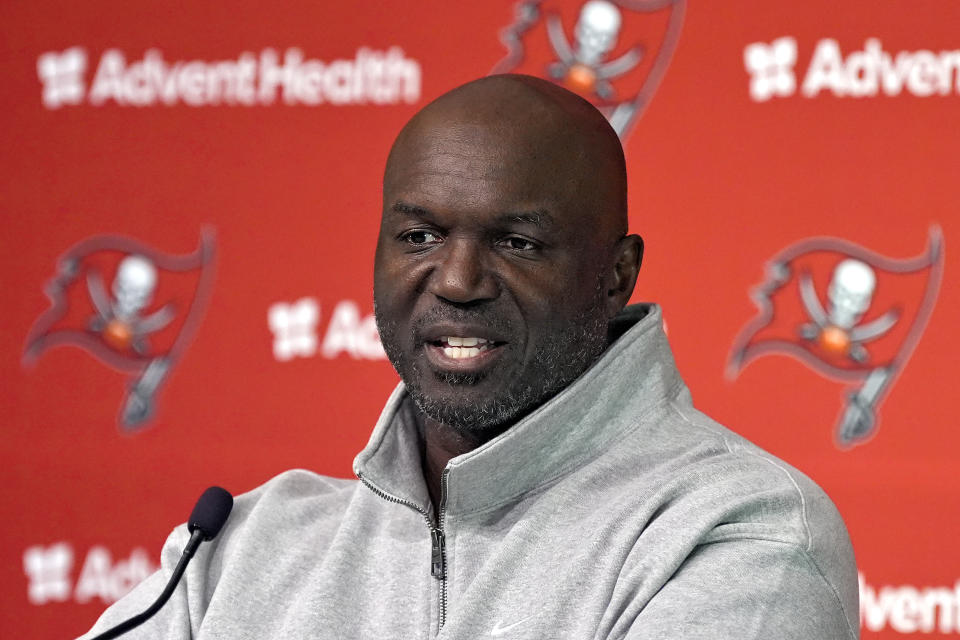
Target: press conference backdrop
x,y
190,200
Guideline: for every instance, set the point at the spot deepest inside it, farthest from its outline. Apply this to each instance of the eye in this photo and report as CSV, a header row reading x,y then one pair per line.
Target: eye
x,y
517,243
420,237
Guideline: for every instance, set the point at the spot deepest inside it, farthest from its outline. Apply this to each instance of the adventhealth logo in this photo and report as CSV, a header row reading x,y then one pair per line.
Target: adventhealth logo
x,y
771,68
295,329
62,77
862,73
51,577
370,77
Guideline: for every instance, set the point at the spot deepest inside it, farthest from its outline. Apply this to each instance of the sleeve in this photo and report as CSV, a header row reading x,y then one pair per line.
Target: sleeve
x,y
172,621
746,589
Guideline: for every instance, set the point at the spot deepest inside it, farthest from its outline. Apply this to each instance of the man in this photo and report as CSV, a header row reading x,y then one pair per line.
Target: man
x,y
541,472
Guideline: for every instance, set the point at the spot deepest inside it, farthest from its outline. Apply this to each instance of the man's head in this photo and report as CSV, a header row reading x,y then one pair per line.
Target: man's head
x,y
503,252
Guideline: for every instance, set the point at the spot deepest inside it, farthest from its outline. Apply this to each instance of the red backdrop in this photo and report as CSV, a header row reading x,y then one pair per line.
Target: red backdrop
x,y
239,150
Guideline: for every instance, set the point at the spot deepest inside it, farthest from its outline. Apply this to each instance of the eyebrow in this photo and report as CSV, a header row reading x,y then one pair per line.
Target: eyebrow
x,y
536,217
409,209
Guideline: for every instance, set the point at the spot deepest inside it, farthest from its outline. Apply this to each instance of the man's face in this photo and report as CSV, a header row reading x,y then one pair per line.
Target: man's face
x,y
488,280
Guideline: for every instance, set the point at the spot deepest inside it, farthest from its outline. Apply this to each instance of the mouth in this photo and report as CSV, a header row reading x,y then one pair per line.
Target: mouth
x,y
457,348
462,353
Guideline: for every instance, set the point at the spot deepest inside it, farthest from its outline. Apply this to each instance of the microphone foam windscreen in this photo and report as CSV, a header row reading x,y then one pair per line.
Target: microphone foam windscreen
x,y
211,512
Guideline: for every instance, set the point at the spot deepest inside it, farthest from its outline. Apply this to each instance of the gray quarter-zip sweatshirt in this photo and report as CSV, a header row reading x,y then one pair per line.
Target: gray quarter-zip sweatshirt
x,y
615,510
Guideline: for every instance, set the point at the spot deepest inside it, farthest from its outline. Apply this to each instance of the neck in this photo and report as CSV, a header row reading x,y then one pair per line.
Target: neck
x,y
441,443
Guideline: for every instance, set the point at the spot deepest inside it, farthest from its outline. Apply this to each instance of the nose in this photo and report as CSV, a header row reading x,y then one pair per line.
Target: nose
x,y
461,275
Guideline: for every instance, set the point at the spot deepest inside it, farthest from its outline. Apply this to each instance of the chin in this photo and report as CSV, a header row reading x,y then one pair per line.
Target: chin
x,y
472,410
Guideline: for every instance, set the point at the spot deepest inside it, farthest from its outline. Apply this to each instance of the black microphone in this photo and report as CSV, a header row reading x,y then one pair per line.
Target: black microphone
x,y
206,520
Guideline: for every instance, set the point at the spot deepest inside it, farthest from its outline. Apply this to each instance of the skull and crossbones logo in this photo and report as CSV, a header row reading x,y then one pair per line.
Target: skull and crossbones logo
x,y
838,329
583,65
119,319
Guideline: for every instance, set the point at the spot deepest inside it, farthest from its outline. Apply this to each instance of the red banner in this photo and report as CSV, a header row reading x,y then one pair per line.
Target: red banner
x,y
191,200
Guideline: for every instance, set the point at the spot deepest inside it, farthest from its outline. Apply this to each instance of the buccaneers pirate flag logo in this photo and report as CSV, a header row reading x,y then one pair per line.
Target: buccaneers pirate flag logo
x,y
848,313
612,52
131,307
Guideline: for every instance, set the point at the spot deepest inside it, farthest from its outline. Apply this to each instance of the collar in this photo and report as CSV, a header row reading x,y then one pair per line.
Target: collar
x,y
635,375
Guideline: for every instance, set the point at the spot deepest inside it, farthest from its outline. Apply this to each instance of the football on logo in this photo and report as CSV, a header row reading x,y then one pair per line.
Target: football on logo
x,y
131,307
848,313
612,52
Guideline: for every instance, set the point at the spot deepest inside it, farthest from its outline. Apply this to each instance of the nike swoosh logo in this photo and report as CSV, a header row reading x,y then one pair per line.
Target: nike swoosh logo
x,y
503,630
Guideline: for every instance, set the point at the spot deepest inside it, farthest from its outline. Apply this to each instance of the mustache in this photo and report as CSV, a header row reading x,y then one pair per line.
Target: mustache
x,y
482,314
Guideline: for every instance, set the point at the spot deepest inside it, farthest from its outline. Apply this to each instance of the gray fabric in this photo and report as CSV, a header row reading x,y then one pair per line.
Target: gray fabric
x,y
616,510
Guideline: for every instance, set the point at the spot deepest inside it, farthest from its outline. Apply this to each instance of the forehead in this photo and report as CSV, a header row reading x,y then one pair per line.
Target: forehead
x,y
485,166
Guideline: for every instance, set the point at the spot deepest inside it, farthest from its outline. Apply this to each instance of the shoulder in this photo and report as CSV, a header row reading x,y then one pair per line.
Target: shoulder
x,y
292,509
763,499
740,469
297,493
287,505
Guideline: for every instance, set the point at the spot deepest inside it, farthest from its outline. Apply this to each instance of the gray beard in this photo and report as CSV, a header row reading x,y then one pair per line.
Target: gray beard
x,y
559,360
554,369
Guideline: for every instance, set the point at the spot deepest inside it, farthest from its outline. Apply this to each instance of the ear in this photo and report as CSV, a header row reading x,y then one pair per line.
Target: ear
x,y
628,255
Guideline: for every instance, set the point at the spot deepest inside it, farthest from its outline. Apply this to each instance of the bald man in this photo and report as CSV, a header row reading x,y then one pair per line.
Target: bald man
x,y
540,472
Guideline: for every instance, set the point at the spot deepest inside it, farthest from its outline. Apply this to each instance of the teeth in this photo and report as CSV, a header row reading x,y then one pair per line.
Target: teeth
x,y
456,341
457,353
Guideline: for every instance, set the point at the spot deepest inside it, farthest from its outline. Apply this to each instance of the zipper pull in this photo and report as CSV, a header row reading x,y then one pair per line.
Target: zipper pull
x,y
437,568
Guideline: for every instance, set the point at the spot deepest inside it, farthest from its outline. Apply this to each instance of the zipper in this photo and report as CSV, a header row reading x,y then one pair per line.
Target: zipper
x,y
438,551
443,547
437,564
